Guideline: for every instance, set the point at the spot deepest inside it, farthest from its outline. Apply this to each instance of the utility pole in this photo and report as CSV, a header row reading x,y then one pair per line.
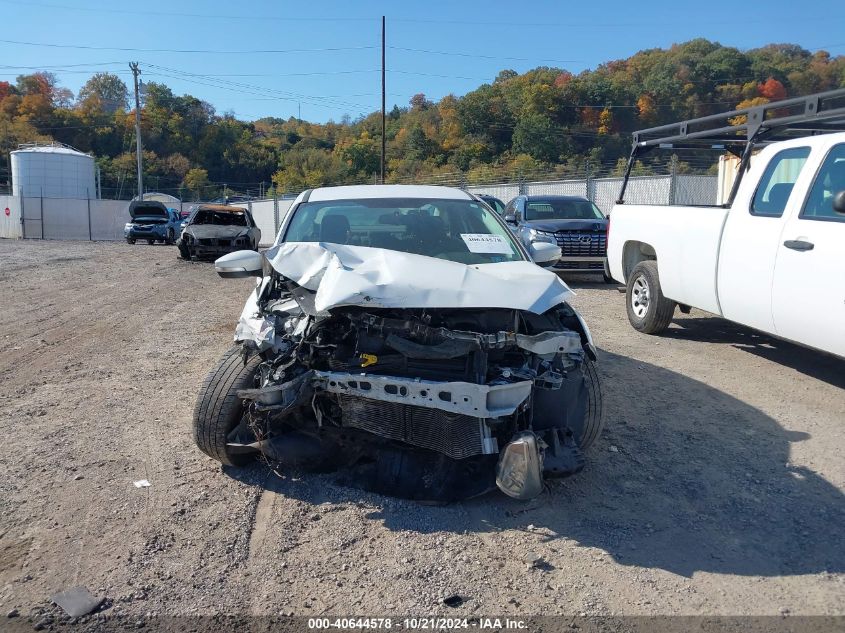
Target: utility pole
x,y
133,66
383,137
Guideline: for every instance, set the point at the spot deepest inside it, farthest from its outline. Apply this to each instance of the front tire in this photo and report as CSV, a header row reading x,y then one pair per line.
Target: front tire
x,y
169,237
184,252
219,409
130,240
648,310
589,431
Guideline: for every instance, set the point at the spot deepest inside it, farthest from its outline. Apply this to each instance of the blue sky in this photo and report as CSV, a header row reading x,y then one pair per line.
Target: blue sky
x,y
278,57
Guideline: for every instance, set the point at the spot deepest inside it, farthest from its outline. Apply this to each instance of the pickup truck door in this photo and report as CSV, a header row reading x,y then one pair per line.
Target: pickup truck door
x,y
750,241
808,293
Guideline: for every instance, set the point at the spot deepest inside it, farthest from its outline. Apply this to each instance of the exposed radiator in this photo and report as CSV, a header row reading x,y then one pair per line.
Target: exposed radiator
x,y
452,434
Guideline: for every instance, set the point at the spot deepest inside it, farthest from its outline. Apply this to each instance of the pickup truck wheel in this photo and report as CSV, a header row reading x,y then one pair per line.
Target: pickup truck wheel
x,y
219,410
593,424
648,310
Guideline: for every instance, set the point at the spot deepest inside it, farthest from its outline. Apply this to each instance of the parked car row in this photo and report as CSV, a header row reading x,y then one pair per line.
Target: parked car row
x,y
573,223
207,230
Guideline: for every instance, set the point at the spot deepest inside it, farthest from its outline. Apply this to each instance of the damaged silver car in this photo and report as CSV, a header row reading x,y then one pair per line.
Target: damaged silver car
x,y
401,336
216,229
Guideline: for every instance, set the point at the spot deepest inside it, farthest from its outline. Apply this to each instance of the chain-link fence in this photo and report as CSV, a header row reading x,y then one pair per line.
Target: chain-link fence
x,y
61,218
681,189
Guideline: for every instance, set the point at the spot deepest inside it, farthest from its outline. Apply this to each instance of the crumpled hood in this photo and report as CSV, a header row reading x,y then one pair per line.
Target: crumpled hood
x,y
553,226
204,231
343,275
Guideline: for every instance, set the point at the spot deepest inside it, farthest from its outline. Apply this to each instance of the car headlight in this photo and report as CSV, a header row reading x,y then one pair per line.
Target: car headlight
x,y
127,226
541,236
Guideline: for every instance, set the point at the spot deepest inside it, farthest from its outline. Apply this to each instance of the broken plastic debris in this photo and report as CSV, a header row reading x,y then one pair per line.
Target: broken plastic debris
x,y
77,601
142,483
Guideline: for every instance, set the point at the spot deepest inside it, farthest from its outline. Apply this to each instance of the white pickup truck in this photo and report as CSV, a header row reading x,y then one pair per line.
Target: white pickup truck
x,y
773,258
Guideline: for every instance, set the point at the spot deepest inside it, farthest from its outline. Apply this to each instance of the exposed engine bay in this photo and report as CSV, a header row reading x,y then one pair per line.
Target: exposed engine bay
x,y
434,404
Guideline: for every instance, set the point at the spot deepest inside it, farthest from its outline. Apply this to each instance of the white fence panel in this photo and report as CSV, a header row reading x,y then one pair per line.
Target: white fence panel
x,y
32,210
696,190
263,211
65,219
557,188
10,225
108,218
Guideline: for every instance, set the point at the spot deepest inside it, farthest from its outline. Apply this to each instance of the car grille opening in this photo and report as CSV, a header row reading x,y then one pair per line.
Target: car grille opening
x,y
452,434
582,243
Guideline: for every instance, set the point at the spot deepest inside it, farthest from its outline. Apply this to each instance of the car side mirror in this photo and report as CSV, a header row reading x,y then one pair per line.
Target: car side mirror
x,y
240,264
510,218
544,254
839,202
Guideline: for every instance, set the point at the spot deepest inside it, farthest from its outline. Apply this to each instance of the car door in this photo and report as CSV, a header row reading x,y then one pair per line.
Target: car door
x,y
808,293
749,242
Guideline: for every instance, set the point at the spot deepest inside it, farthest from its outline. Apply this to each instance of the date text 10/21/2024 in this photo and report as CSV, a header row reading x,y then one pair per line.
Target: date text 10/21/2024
x,y
418,623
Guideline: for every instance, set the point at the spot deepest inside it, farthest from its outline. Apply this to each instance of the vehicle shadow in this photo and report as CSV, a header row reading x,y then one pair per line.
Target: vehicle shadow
x,y
815,364
591,281
698,481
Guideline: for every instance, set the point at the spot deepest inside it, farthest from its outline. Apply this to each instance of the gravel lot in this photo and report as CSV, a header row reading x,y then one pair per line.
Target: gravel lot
x,y
716,489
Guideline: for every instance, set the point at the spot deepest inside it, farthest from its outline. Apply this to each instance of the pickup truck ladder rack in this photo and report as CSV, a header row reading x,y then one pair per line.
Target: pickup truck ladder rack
x,y
814,114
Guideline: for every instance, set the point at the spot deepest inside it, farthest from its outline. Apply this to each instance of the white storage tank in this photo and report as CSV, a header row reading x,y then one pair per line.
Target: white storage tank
x,y
53,171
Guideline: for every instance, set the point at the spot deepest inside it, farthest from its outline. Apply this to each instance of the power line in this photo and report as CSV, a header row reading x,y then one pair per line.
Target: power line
x,y
186,51
480,56
265,92
261,18
221,83
62,65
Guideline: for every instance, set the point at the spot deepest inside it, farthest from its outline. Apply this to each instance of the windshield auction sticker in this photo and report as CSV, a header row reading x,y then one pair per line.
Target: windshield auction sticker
x,y
486,243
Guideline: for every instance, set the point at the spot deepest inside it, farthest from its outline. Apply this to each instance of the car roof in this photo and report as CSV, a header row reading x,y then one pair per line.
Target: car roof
x,y
551,198
353,192
221,207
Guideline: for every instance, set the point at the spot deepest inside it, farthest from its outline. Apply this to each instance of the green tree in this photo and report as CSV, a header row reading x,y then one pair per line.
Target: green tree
x,y
196,181
106,92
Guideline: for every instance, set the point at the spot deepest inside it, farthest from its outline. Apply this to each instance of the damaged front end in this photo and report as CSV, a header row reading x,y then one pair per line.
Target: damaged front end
x,y
434,404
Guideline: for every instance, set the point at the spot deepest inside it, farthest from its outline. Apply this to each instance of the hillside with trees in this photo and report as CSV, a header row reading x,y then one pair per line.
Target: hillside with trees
x,y
546,122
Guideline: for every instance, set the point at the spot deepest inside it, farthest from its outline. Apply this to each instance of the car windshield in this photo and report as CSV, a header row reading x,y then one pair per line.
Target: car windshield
x,y
562,210
462,231
223,218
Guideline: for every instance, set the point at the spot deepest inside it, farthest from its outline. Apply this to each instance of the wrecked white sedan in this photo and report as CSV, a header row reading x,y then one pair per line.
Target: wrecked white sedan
x,y
402,336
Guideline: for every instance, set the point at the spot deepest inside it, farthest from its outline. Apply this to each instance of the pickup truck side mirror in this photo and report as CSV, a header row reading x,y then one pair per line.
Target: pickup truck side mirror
x,y
240,264
839,202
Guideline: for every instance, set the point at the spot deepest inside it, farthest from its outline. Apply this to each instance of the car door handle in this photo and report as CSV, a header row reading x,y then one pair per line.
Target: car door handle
x,y
799,245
